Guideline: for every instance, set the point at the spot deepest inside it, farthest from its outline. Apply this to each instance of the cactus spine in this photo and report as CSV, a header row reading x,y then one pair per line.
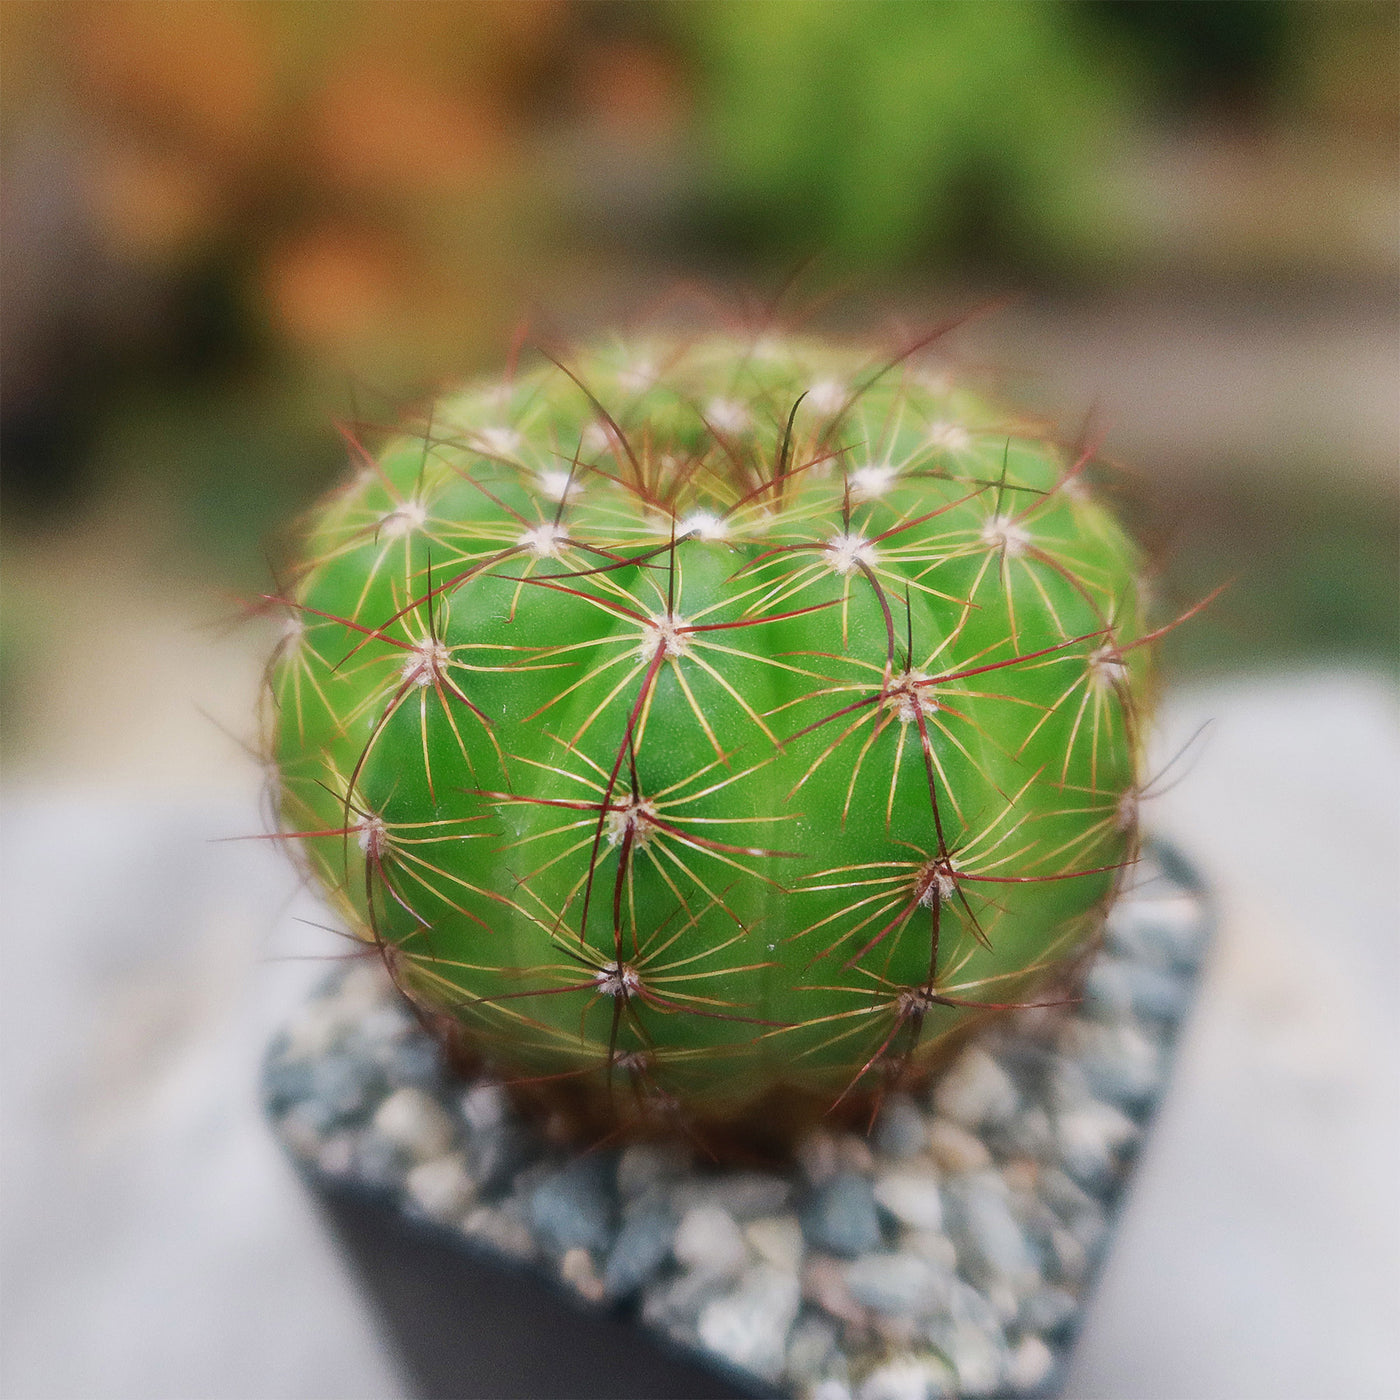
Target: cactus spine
x,y
717,724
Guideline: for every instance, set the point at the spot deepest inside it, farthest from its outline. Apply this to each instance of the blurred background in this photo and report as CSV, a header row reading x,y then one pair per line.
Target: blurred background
x,y
227,226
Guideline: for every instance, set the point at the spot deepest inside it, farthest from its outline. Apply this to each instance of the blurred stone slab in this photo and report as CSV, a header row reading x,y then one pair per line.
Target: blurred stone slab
x,y
145,968
1278,1275
154,1244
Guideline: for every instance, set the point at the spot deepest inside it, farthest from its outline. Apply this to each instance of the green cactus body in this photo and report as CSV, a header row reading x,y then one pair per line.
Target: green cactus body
x,y
709,723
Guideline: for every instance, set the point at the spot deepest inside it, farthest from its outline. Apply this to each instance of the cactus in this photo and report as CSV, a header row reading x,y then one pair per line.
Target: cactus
x,y
713,728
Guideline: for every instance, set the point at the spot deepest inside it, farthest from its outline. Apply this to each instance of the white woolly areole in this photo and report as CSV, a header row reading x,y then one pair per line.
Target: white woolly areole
x,y
869,482
399,521
826,396
937,881
497,442
951,436
373,836
664,633
617,979
728,415
559,485
847,552
1004,533
544,540
1106,667
637,817
915,1001
1126,815
703,525
909,694
427,660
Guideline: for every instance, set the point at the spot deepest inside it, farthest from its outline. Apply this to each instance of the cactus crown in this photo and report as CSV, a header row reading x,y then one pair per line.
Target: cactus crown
x,y
707,725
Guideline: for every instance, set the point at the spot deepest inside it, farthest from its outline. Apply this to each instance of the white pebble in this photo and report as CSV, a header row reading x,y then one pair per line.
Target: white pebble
x,y
301,1131
501,1230
484,1107
818,1157
317,1030
750,1327
912,1198
709,1241
1030,1364
976,1091
337,1155
955,1149
1089,1137
414,1121
777,1239
907,1378
576,1269
932,1245
441,1187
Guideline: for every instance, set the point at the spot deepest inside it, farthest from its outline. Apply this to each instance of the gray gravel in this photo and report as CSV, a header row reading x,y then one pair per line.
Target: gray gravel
x,y
642,1247
946,1255
841,1218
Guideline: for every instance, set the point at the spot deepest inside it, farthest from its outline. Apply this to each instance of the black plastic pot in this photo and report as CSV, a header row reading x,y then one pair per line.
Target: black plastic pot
x,y
468,1324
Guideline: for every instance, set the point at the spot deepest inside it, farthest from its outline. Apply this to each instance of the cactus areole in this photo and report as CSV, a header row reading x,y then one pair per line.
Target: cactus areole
x,y
708,728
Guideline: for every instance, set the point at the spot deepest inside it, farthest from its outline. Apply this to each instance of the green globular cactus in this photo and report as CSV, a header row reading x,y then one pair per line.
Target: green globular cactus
x,y
710,728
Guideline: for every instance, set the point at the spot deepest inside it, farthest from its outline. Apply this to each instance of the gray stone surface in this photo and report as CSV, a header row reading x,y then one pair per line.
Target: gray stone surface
x,y
709,1241
840,1216
903,1285
975,1092
574,1208
746,1195
642,1246
749,1327
901,1129
441,1187
911,1197
414,1122
992,1248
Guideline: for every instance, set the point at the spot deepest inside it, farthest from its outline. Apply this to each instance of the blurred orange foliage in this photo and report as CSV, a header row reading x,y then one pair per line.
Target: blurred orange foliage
x,y
367,165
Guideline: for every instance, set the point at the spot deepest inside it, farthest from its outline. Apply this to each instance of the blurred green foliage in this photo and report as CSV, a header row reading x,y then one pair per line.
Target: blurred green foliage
x,y
1313,575
890,129
220,475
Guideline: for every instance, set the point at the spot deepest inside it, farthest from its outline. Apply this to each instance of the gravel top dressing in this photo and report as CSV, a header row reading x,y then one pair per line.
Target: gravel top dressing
x,y
947,1253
